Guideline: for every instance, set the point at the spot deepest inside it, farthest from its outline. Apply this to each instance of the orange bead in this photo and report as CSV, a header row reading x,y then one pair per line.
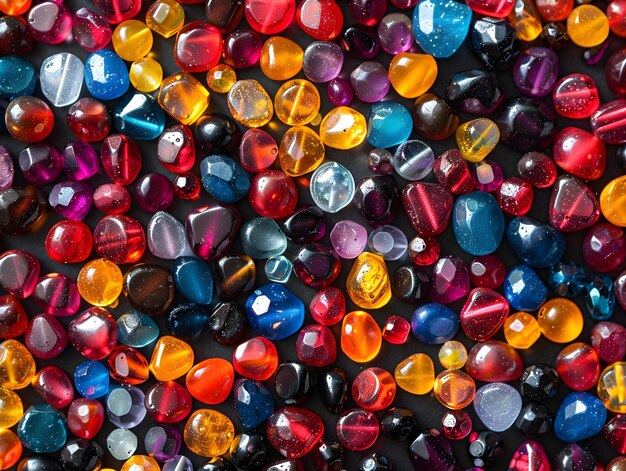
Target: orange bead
x,y
374,389
128,366
256,358
14,7
29,119
211,380
10,448
454,389
360,337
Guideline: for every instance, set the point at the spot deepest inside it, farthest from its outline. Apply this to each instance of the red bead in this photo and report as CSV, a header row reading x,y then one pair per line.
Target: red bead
x,y
576,96
116,11
45,337
578,366
396,330
269,16
50,22
452,171
483,314
580,153
93,333
424,251
121,159
29,119
538,169
128,366
257,151
176,150
316,346
374,389
456,424
69,241
494,361
357,429
530,456
89,120
13,318
273,194
320,19
573,205
198,47
609,339
614,72
515,196
15,36
168,402
493,8
294,431
112,199
187,186
487,271
428,206
328,306
608,123
120,239
85,417
57,294
604,247
368,12
615,433
256,359
54,386
554,10
616,13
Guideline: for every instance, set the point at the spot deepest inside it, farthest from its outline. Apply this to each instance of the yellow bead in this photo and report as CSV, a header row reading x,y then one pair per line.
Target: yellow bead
x,y
560,320
343,128
612,387
140,463
412,74
613,201
146,74
165,17
11,408
183,97
360,337
250,104
454,389
587,26
301,151
132,40
477,138
17,365
171,358
368,282
452,355
281,58
415,374
297,102
526,20
521,330
209,433
100,282
221,78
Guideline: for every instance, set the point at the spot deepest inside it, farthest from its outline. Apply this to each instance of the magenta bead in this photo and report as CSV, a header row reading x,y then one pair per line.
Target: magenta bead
x,y
7,170
40,163
54,386
93,333
357,429
45,337
450,280
154,192
71,199
79,161
91,31
111,199
57,294
395,33
242,48
604,247
368,12
487,271
316,346
340,92
322,61
609,340
370,82
50,22
576,96
487,175
19,272
538,169
535,71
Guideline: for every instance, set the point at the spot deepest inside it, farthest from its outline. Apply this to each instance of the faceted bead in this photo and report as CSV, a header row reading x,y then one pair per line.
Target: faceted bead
x,y
473,213
55,81
171,358
293,382
576,96
452,355
415,374
578,366
587,26
515,196
521,330
450,280
13,317
580,153
85,417
615,433
483,314
607,339
539,382
535,244
91,379
527,124
183,97
187,186
56,294
258,150
599,297
208,433
211,380
494,42
534,419
212,229
256,359
40,164
361,337
456,424
573,205
389,124
305,225
71,199
253,403
441,26
250,104
409,284
486,448
454,389
15,36
89,120
560,320
434,323
274,312
262,238
167,402
357,429
316,346
45,337
396,330
316,265
604,247
497,405
120,239
452,172
42,429
523,289
81,454
93,333
342,128
580,416
432,450
492,361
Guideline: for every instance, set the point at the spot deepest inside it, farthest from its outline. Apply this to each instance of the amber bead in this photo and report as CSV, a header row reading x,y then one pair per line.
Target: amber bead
x,y
149,288
368,283
171,358
281,58
454,389
361,337
128,366
301,151
560,320
415,374
17,366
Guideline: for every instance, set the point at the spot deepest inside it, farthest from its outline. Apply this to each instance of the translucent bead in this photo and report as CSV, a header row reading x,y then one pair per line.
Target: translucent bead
x,y
395,33
370,81
122,444
50,22
332,187
256,359
61,78
301,151
146,74
321,20
171,358
278,269
120,239
183,97
368,283
42,429
250,104
497,405
349,239
165,17
322,60
560,320
477,138
45,338
116,11
221,78
357,429
281,58
91,30
242,48
454,389
29,119
415,374
403,69
343,128
106,75
89,120
361,337
388,241
587,26
269,21
452,355
521,330
198,47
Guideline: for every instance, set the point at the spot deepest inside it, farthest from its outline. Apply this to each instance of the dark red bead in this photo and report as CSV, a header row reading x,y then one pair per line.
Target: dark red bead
x,y
13,318
45,337
487,271
328,306
515,196
428,206
273,194
452,171
604,247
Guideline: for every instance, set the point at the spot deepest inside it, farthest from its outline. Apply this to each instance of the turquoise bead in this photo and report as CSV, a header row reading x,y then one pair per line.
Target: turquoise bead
x,y
139,116
253,403
136,329
523,289
262,238
535,244
567,279
224,179
478,223
580,416
274,311
193,279
600,297
42,429
17,77
106,75
91,379
278,269
440,26
389,124
434,323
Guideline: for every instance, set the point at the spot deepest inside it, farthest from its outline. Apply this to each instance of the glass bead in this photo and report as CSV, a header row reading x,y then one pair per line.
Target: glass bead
x,y
198,47
578,366
93,333
580,416
407,64
50,22
112,199
368,283
316,265
521,330
487,271
536,244
226,15
10,445
450,280
410,284
357,429
452,355
332,187
165,17
499,9
89,120
45,337
106,75
399,424
430,449
441,26
13,318
580,153
250,104
269,21
395,33
526,20
42,429
610,202
149,288
600,297
307,224
128,366
343,128
539,382
340,91
11,408
433,118
573,205
121,159
604,247
19,272
40,164
171,358
434,323
81,452
428,206
125,406
316,346
242,48
301,150
116,11
120,239
55,83
85,417
145,74
607,339
221,78
587,26
388,242
91,379
71,199
258,150
396,330
538,169
613,432
536,71
483,313
374,388
478,223
615,15
526,124
360,42
193,279
187,186
176,149
217,133
322,60
349,239
261,238
560,320
253,403
7,169
167,402
183,97
56,294
293,382
477,138
91,30
456,424
188,321
211,380
328,306
474,91
334,389
256,359
413,160
162,442
361,337
274,312
29,119
497,406
493,361
415,374
139,116
79,161
370,82
454,389
211,229
236,275
154,192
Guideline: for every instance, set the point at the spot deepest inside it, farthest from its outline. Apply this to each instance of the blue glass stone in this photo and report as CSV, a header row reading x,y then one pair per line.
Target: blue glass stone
x,y
523,289
42,429
188,321
193,279
274,311
389,124
600,297
567,279
106,75
91,379
440,26
278,269
17,77
262,238
535,244
580,416
478,223
224,179
136,329
253,403
434,323
139,116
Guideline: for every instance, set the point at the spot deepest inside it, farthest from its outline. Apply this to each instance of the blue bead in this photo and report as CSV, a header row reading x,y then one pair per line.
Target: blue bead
x,y
580,416
274,311
434,323
106,75
193,279
188,321
17,77
600,297
523,289
91,379
440,26
253,403
567,279
42,429
535,244
136,329
139,116
389,124
224,179
478,223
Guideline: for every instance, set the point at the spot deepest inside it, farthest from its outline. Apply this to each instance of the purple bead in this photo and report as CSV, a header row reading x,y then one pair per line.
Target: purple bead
x,y
91,31
536,71
162,442
450,280
71,199
154,192
349,239
125,406
57,294
395,33
340,92
80,161
242,48
322,61
360,42
487,175
370,81
7,170
40,164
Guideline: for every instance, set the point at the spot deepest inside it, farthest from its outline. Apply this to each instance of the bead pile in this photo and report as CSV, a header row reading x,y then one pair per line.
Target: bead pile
x,y
292,219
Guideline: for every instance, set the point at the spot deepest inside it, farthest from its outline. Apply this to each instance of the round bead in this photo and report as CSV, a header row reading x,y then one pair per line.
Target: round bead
x,y
357,429
560,320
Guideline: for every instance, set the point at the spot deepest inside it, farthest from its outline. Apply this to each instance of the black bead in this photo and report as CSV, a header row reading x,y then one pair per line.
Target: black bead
x,y
474,91
249,451
327,456
228,323
375,462
307,224
21,208
574,457
555,34
486,448
39,463
534,419
81,455
215,133
293,382
494,42
377,199
527,124
432,451
410,284
188,321
216,464
149,288
539,382
400,424
285,465
333,388
621,157
360,41
236,276
316,265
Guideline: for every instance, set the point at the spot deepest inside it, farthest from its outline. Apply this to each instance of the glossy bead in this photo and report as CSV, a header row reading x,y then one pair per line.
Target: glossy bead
x,y
93,333
374,389
85,417
576,96
212,229
410,284
183,97
42,429
274,311
573,206
578,366
10,447
187,186
188,321
536,71
521,330
256,359
165,17
515,124
270,21
493,361
316,265
454,389
91,379
450,280
332,187
368,282
236,275
428,206
307,224
171,358
579,416
193,279
452,172
405,65
125,406
399,424
112,199
613,432
430,449
452,355
487,271
357,429
250,104
216,133
132,40
534,419
139,117
91,30
28,119
56,294
54,73
11,408
262,238
13,318
328,306
257,151
497,406
242,48
224,179
433,117
253,403
415,374
198,47
120,239
360,337
167,402
535,244
495,43
560,320
599,297
413,160
523,289
316,346
166,236
19,271
128,366
211,380
281,58
434,323
343,128
539,382
38,463
603,247
580,153
15,37
301,151
483,314
71,199
50,22
45,337
340,92
370,82
100,282
281,435
606,339
538,169
587,26
226,15
396,330
456,425
349,239
322,60
472,213
221,78
107,64
440,27
610,387
69,241
474,91
147,463
89,120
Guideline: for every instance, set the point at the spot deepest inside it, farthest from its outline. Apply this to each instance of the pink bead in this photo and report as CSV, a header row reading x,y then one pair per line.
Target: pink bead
x,y
487,175
450,280
111,199
396,330
154,192
580,153
50,22
45,337
487,271
91,30
483,314
515,196
349,239
609,340
7,170
357,429
54,386
93,333
604,247
176,150
19,272
328,306
428,206
316,346
57,294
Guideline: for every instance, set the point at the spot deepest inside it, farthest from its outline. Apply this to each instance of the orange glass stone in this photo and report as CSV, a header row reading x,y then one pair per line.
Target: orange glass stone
x,y
256,358
10,448
454,389
211,380
360,337
29,119
374,389
128,366
171,358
